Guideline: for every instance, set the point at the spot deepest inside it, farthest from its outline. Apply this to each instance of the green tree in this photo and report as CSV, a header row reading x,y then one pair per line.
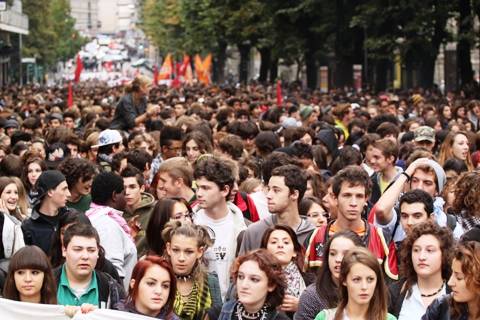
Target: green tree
x,y
67,40
40,42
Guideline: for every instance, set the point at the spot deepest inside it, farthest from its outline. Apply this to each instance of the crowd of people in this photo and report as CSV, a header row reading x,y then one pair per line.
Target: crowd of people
x,y
230,203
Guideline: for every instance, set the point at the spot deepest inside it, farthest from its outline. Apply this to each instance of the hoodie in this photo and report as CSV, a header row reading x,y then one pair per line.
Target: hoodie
x,y
329,139
254,233
138,220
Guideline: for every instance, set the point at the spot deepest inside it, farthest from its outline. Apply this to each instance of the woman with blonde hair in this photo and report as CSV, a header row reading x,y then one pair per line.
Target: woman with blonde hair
x,y
197,290
363,291
131,110
456,146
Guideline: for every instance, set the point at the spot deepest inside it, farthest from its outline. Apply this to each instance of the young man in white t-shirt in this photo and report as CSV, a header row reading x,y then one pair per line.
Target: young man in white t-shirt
x,y
215,179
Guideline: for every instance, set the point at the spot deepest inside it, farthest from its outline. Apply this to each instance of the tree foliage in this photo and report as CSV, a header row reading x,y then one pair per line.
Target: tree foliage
x,y
52,36
337,33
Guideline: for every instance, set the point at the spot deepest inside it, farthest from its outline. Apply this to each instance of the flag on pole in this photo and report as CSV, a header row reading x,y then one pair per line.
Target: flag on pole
x,y
202,68
167,69
155,75
70,95
279,93
78,68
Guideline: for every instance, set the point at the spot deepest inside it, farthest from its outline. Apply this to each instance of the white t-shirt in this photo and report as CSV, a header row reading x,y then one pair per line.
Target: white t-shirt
x,y
222,254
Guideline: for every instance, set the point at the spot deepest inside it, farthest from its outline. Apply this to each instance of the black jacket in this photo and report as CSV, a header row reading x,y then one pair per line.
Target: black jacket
x,y
126,112
110,292
397,297
439,309
38,230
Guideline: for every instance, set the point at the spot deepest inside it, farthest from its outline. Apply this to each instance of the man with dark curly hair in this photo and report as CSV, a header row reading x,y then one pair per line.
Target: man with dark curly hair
x,y
79,173
215,180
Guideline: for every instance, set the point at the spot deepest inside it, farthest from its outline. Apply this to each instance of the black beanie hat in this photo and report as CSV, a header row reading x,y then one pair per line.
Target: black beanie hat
x,y
48,180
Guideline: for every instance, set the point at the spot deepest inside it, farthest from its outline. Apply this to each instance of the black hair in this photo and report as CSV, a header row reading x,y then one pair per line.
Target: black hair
x,y
274,160
104,185
215,170
139,159
456,165
77,169
353,175
295,178
70,217
266,142
80,230
130,171
170,133
418,195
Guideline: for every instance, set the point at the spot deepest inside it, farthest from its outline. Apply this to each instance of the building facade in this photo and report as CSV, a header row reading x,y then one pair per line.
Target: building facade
x,y
86,16
13,26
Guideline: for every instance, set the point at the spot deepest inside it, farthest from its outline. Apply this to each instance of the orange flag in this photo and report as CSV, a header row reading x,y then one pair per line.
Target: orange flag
x,y
202,68
167,69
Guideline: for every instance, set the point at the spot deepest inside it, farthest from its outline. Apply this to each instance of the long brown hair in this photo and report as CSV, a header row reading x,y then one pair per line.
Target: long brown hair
x,y
377,309
297,247
31,257
468,254
446,151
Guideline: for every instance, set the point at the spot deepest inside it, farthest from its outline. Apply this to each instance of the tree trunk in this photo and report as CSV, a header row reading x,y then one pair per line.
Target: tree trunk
x,y
219,67
265,63
274,70
244,50
463,47
311,65
381,74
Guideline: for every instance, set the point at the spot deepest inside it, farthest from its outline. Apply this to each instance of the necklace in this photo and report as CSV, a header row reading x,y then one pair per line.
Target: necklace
x,y
184,277
433,294
244,314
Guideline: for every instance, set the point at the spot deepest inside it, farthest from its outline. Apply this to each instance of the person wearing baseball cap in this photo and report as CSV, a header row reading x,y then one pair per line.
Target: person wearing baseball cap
x,y
424,137
53,193
110,142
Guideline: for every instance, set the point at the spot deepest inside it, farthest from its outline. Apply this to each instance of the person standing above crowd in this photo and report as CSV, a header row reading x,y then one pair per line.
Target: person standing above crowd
x,y
132,110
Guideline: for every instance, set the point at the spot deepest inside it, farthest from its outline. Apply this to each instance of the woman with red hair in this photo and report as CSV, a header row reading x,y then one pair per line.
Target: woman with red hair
x,y
152,289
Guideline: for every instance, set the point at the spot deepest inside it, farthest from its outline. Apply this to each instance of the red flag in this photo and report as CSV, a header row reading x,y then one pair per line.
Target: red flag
x,y
176,75
78,69
279,93
155,75
70,95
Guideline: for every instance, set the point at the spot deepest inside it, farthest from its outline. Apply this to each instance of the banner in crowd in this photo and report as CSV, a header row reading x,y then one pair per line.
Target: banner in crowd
x,y
167,69
202,68
10,309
